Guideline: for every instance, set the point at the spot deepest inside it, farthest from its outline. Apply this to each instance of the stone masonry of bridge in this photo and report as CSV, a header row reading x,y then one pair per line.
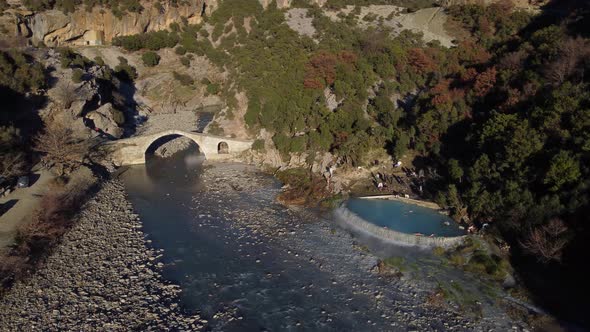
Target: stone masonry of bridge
x,y
131,151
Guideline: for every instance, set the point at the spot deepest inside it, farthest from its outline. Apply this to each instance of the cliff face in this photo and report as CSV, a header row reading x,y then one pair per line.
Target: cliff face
x,y
287,3
100,26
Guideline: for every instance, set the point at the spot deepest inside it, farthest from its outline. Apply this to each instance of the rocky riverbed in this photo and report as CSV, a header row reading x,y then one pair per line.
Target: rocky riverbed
x,y
311,238
102,277
243,263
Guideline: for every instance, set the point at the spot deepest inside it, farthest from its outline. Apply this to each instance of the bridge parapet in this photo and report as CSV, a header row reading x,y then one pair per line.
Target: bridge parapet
x,y
131,151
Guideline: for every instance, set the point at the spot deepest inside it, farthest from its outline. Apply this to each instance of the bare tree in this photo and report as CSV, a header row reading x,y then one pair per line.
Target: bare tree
x,y
569,64
12,164
65,94
12,159
548,241
62,150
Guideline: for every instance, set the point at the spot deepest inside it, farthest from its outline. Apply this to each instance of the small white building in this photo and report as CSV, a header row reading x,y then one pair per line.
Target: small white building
x,y
91,38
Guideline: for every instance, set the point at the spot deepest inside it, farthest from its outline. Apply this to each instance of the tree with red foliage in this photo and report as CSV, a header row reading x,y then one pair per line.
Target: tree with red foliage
x,y
347,57
312,83
468,75
471,52
420,61
514,96
322,66
441,93
484,82
321,69
485,26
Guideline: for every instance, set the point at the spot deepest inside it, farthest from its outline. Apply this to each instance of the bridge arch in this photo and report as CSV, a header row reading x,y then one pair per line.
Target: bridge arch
x,y
222,147
132,151
152,144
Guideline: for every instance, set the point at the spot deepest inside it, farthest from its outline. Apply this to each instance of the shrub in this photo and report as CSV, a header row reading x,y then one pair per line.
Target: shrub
x,y
77,75
150,59
185,62
438,251
19,73
258,145
180,50
125,71
215,129
298,144
184,79
481,262
150,40
175,27
99,61
395,261
213,88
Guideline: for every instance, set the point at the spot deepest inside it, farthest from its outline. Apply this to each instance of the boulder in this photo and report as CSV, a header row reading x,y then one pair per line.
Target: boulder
x,y
509,281
107,119
70,119
331,102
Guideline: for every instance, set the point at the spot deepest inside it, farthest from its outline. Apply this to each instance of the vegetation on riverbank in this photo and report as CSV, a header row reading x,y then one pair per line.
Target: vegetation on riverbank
x,y
302,187
476,256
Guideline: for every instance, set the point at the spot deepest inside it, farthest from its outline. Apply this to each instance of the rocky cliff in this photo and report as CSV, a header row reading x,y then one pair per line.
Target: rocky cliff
x,y
100,25
287,3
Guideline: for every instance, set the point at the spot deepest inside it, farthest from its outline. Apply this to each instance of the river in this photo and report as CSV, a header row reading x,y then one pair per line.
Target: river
x,y
246,263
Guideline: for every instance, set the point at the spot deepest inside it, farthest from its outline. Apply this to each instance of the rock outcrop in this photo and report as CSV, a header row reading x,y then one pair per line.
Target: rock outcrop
x,y
107,119
287,3
100,26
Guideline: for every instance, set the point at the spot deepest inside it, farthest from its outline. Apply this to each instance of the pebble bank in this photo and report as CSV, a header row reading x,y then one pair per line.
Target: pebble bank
x,y
102,277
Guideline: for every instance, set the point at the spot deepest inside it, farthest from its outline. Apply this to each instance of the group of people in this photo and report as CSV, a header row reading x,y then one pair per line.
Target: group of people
x,y
414,181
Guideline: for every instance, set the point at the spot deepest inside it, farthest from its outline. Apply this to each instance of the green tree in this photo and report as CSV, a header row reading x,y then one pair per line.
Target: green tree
x,y
455,170
563,169
150,59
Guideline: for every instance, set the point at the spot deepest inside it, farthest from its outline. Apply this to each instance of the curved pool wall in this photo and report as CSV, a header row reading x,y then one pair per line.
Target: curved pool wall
x,y
352,220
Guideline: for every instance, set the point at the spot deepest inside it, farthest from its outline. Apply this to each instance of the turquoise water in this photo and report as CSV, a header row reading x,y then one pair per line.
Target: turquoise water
x,y
404,217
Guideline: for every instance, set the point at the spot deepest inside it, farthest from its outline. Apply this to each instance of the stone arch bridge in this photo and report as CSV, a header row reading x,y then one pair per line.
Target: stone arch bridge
x,y
132,151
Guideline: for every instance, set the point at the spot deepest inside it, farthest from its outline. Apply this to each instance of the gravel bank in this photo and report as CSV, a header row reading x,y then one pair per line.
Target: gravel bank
x,y
102,277
297,235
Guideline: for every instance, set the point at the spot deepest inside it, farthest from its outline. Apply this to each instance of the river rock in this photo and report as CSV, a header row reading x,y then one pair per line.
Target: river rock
x,y
107,119
97,279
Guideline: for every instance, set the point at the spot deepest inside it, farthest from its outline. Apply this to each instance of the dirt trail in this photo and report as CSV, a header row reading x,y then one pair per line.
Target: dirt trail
x,y
20,205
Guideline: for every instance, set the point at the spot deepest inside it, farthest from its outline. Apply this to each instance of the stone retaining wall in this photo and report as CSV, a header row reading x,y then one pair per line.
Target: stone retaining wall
x,y
353,220
426,204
